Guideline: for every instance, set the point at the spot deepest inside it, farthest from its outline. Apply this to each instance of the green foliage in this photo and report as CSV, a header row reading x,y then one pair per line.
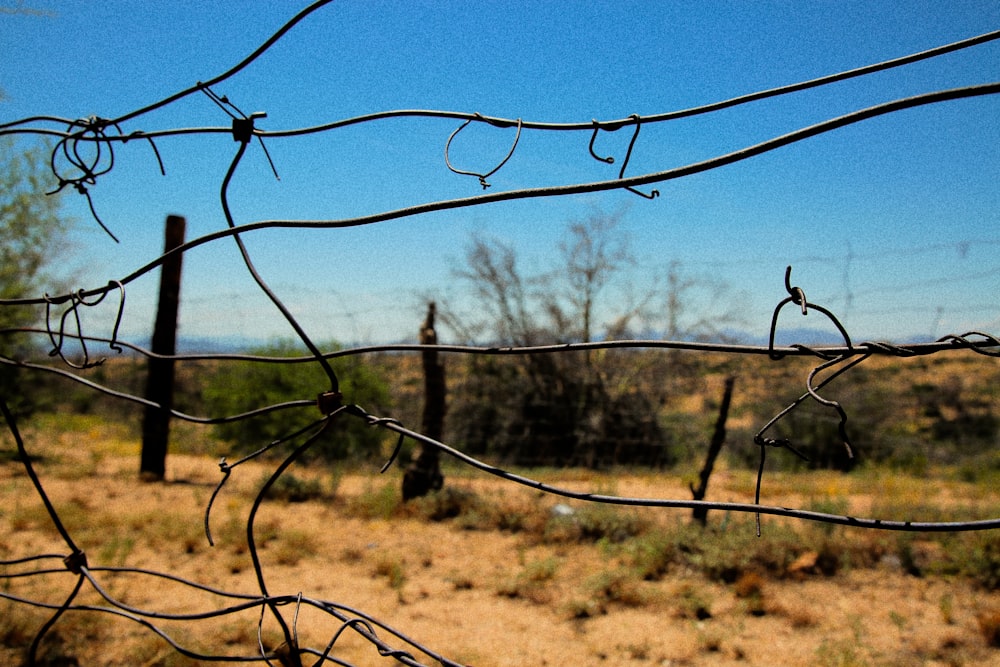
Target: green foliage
x,y
596,522
446,503
531,583
294,489
31,227
236,387
32,233
376,503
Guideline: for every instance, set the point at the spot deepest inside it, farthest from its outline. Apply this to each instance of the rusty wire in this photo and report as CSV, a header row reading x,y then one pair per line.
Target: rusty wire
x,y
85,151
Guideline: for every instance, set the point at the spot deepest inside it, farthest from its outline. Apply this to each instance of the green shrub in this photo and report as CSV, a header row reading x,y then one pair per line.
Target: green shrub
x,y
236,387
596,522
446,503
294,489
376,503
531,583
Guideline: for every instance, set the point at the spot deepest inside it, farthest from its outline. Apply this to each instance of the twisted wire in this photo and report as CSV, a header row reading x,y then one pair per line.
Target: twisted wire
x,y
87,147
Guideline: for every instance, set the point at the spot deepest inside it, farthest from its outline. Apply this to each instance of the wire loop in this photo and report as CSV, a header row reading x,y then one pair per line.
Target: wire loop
x,y
85,152
482,177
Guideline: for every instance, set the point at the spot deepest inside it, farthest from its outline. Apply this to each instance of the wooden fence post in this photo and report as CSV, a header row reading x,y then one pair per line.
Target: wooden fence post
x,y
424,474
160,376
700,514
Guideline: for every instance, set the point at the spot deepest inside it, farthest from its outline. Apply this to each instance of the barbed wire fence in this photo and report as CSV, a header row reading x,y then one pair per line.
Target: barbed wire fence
x,y
85,151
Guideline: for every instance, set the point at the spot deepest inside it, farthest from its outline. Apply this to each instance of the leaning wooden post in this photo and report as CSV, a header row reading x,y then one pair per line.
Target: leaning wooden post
x,y
424,474
700,514
160,375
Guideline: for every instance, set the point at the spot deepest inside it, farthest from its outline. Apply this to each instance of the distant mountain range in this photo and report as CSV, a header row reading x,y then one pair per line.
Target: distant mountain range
x,y
783,337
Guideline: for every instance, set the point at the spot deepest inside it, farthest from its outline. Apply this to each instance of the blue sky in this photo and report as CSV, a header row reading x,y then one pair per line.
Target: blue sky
x,y
891,223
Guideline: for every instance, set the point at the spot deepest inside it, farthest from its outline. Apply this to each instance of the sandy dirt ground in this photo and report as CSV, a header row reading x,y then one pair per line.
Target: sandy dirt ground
x,y
482,598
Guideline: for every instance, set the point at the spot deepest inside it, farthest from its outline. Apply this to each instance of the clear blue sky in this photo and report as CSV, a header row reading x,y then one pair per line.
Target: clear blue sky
x,y
892,223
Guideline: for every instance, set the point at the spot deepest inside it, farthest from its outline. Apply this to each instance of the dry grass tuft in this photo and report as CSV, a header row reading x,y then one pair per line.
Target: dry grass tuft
x,y
989,626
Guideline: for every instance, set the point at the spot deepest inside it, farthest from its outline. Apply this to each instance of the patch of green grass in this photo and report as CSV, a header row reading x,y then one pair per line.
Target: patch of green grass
x,y
291,546
654,554
692,602
595,522
531,582
115,550
839,653
618,586
376,502
447,503
392,568
291,488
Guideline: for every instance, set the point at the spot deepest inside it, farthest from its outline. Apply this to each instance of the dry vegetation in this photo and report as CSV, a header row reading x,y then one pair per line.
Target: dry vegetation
x,y
493,574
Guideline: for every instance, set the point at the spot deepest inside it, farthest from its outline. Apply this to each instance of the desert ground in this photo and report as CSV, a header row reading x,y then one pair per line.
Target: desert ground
x,y
489,574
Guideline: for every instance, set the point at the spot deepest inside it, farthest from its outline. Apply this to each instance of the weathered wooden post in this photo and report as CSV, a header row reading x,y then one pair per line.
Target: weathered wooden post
x,y
160,374
424,474
700,514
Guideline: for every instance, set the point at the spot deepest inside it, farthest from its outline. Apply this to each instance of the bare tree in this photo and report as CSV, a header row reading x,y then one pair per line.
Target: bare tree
x,y
554,409
594,254
492,272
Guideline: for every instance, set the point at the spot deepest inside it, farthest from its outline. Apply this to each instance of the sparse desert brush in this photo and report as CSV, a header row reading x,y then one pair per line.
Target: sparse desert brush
x,y
375,502
725,554
532,582
619,587
692,601
989,626
840,653
291,546
17,624
391,567
294,489
653,554
749,585
514,513
447,503
979,555
801,616
595,522
750,588
581,608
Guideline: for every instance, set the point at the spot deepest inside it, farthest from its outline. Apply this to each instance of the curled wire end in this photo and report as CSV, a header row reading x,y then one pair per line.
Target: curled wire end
x,y
981,348
91,132
118,319
797,296
90,202
652,195
395,453
482,177
795,293
606,160
843,436
226,469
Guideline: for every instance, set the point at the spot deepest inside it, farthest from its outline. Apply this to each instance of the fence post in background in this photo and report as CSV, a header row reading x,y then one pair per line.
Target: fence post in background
x,y
160,375
700,514
424,474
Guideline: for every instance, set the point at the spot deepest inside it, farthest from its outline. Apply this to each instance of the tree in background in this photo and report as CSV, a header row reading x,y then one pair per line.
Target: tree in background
x,y
236,387
32,237
575,409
